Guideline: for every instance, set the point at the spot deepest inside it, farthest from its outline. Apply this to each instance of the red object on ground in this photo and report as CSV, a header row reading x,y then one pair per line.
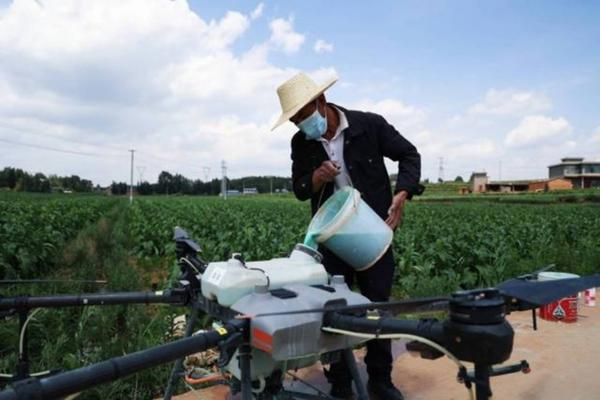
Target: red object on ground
x,y
563,310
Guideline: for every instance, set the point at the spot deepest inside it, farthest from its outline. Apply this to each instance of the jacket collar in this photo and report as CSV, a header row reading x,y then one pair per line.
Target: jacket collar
x,y
355,127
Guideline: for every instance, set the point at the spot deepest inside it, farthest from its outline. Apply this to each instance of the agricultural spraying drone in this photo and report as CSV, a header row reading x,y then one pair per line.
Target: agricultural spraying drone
x,y
286,313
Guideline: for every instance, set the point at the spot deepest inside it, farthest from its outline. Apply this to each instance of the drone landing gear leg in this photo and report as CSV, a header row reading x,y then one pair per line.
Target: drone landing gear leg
x,y
178,367
483,390
23,365
244,357
358,383
482,374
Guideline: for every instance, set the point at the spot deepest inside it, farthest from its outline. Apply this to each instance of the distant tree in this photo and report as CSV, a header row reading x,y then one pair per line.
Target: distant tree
x,y
11,178
119,188
3,180
426,180
440,180
145,188
459,179
165,182
19,180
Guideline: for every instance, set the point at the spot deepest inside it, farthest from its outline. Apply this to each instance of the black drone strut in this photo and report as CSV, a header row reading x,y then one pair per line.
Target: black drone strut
x,y
75,381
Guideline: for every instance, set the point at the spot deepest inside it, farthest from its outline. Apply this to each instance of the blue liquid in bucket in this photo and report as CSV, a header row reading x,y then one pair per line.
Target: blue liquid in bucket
x,y
310,240
348,227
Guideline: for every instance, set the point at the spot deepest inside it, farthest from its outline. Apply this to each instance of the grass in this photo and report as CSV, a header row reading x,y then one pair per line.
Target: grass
x,y
442,246
73,337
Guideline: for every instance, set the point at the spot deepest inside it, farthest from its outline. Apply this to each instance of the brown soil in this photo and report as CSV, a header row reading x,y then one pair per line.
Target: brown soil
x,y
564,360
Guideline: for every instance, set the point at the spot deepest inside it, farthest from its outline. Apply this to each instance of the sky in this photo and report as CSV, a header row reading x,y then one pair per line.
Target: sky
x,y
507,87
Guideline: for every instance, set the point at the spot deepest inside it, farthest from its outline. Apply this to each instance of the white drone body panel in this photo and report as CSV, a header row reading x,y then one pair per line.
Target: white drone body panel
x,y
295,283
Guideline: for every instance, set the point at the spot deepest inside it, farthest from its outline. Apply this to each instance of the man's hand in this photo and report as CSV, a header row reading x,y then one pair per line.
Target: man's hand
x,y
325,173
395,211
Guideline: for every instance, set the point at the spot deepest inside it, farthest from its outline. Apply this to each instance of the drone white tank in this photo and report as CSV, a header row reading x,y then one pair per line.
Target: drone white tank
x,y
228,281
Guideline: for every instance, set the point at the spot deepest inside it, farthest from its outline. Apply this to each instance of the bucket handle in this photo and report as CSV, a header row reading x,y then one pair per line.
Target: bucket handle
x,y
355,202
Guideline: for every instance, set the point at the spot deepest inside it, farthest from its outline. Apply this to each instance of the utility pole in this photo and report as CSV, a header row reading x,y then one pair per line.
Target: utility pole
x,y
441,170
500,170
224,179
206,170
131,179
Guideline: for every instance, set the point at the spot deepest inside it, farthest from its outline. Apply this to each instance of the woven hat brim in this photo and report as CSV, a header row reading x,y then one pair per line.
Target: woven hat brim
x,y
289,114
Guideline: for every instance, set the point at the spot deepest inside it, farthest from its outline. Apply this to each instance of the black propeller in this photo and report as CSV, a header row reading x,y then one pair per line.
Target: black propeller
x,y
181,236
422,304
39,281
538,293
522,293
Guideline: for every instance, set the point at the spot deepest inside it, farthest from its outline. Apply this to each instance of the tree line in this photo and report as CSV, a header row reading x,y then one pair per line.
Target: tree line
x,y
22,181
168,183
17,180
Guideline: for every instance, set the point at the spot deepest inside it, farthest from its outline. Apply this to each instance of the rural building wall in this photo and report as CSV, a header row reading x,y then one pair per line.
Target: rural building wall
x,y
551,184
560,184
540,186
479,184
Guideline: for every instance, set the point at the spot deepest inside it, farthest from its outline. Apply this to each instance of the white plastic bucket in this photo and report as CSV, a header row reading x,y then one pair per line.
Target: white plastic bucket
x,y
347,226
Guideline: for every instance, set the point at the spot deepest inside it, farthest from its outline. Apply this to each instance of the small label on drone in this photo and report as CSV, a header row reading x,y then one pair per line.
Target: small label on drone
x,y
216,276
221,331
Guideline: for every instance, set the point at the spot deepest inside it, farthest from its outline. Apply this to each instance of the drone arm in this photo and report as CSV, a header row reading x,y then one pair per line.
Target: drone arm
x,y
173,296
430,329
77,380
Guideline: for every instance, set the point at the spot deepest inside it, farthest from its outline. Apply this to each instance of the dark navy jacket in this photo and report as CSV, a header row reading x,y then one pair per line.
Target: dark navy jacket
x,y
367,140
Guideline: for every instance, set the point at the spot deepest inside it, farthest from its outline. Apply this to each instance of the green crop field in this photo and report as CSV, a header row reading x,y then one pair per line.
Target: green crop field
x,y
441,246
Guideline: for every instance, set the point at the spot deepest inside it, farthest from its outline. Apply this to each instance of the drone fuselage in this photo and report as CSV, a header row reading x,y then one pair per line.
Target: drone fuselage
x,y
295,283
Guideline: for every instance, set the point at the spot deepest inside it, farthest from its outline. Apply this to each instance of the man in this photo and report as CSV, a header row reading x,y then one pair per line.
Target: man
x,y
336,147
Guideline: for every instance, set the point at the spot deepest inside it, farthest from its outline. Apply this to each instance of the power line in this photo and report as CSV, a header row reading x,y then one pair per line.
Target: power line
x,y
500,169
131,180
75,141
94,154
206,170
140,170
48,135
224,180
80,153
166,160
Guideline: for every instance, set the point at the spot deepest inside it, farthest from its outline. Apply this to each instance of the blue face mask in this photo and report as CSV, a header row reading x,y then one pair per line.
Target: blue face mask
x,y
313,126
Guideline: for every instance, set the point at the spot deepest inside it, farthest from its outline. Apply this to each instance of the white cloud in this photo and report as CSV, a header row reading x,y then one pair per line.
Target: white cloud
x,y
570,144
404,117
473,149
413,123
537,129
322,46
596,136
226,31
510,102
284,37
323,74
153,76
258,11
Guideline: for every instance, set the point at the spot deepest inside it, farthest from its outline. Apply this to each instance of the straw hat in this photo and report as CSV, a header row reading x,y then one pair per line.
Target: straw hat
x,y
297,92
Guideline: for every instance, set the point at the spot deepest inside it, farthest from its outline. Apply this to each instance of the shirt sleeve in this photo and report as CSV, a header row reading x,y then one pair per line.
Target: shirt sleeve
x,y
395,147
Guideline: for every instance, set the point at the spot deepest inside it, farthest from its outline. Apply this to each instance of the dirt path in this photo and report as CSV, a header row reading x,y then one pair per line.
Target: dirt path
x,y
564,358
